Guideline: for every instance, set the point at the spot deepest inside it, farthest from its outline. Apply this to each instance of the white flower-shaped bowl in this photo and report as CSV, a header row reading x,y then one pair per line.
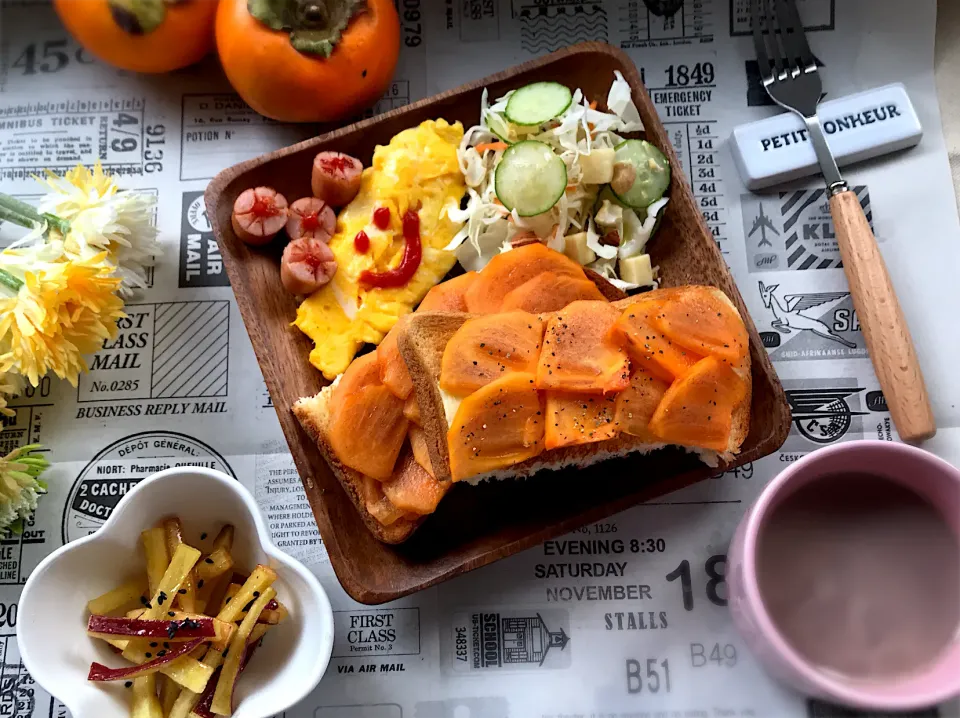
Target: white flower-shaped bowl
x,y
52,619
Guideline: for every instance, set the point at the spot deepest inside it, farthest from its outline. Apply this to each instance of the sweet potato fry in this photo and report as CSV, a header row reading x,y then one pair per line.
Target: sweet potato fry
x,y
143,701
252,589
223,696
174,535
158,558
119,598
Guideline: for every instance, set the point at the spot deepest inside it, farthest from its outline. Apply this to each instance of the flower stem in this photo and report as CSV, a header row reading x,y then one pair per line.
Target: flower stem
x,y
11,215
52,220
14,204
9,281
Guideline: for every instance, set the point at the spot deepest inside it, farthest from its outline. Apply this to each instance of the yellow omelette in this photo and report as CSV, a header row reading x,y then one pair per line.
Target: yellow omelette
x,y
417,169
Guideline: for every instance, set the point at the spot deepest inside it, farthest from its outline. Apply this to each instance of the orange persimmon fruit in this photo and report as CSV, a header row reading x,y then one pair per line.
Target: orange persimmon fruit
x,y
367,428
326,61
488,347
578,354
579,419
507,271
448,296
548,292
496,427
147,36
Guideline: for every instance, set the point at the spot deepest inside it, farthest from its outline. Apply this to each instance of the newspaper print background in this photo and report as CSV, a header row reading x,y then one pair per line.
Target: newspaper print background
x,y
624,618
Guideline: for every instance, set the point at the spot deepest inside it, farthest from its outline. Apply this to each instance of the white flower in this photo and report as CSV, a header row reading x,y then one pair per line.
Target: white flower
x,y
102,218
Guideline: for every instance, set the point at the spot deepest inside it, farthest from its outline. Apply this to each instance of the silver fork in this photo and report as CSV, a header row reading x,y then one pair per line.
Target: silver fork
x,y
790,75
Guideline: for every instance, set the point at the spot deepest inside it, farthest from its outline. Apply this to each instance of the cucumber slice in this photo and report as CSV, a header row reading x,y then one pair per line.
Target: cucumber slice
x,y
641,173
530,178
535,104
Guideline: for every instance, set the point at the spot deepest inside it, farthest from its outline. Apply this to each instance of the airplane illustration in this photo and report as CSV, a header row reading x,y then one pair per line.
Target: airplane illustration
x,y
789,317
763,223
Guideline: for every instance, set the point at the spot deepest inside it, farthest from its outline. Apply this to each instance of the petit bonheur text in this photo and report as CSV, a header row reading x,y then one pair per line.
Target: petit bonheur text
x,y
839,124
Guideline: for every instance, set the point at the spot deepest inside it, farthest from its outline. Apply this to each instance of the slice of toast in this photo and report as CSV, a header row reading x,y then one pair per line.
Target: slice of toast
x,y
313,414
422,345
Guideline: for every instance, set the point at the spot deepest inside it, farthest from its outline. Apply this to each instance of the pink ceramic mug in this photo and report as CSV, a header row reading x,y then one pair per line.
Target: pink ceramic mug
x,y
927,475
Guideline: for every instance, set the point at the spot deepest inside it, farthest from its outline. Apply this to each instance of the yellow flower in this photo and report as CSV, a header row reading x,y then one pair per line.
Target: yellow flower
x,y
10,386
62,311
103,219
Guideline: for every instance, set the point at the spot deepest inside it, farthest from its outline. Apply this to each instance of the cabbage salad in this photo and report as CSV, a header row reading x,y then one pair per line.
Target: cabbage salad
x,y
545,164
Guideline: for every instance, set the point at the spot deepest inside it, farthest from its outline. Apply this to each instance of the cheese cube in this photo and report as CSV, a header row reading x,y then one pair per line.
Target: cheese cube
x,y
576,248
637,270
597,167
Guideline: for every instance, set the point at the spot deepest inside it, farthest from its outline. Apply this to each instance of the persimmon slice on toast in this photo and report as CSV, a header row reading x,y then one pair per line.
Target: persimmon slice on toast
x,y
448,296
497,426
636,404
512,269
548,292
393,369
411,409
697,409
578,354
421,454
367,426
412,489
579,419
378,505
705,323
648,347
485,348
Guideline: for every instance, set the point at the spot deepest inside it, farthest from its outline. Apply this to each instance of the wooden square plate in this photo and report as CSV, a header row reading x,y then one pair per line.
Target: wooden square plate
x,y
473,525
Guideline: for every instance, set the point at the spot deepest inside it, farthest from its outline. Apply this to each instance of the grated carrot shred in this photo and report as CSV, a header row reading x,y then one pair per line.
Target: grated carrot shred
x,y
495,146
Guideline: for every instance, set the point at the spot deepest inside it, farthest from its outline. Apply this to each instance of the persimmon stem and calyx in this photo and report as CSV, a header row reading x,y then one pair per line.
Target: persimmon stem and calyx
x,y
315,26
138,17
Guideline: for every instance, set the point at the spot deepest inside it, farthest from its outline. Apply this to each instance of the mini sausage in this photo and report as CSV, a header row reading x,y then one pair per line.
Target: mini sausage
x,y
336,177
258,214
306,265
312,218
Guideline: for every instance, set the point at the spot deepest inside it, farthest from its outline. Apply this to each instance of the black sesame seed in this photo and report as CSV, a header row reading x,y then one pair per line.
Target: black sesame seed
x,y
200,583
256,594
171,614
161,653
148,655
166,645
182,591
208,560
128,684
227,601
154,644
144,601
203,535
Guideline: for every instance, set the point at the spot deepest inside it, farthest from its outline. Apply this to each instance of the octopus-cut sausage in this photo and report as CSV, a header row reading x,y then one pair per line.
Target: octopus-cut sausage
x,y
258,214
311,218
306,265
336,177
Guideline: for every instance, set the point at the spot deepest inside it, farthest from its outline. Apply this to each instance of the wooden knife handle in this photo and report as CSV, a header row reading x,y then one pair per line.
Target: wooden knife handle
x,y
882,322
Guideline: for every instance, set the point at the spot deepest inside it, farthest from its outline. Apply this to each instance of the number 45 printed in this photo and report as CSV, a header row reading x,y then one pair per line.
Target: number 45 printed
x,y
49,57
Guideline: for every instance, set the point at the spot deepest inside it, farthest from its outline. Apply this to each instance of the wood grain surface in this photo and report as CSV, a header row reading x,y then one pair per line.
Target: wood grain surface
x,y
882,322
473,525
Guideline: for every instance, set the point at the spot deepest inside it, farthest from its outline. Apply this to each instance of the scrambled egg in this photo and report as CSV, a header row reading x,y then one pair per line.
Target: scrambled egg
x,y
418,168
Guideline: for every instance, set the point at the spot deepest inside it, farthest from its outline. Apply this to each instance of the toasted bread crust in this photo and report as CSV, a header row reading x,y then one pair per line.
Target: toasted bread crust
x,y
422,345
313,414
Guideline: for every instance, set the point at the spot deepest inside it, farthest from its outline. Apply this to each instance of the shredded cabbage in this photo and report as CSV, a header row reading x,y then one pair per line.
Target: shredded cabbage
x,y
488,227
